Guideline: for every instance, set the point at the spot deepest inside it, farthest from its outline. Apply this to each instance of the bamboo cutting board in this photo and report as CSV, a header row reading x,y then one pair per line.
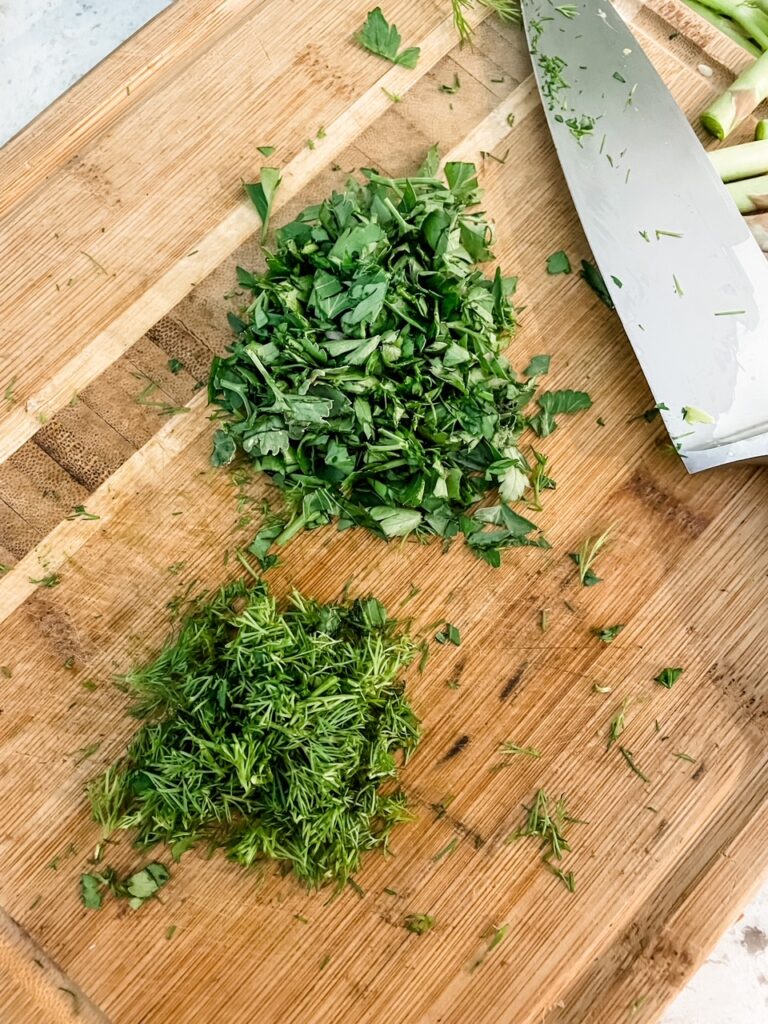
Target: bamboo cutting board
x,y
122,222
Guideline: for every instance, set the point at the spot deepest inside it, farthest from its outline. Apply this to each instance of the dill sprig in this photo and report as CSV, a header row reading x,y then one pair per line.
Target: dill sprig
x,y
586,555
268,733
547,820
507,10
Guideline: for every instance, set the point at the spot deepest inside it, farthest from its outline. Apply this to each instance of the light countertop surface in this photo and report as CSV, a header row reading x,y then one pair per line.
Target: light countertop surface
x,y
45,46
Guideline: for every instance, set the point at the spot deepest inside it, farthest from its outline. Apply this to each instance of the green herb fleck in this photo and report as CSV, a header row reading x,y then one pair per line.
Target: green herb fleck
x,y
447,850
262,195
594,279
450,634
607,633
629,758
586,555
558,263
379,37
51,579
80,512
453,88
419,923
668,677
693,415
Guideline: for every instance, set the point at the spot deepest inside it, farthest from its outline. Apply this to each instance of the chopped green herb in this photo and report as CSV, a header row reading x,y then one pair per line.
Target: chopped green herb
x,y
685,757
547,821
379,37
552,403
731,312
88,684
586,555
617,724
419,923
170,931
324,387
558,263
600,421
650,414
616,281
607,633
668,677
538,366
85,752
8,394
678,287
80,512
498,936
290,748
5,672
629,758
513,748
543,620
567,10
451,89
175,365
176,568
450,634
594,279
667,234
266,150
619,77
262,195
447,850
507,10
393,97
51,579
597,688
90,891
566,877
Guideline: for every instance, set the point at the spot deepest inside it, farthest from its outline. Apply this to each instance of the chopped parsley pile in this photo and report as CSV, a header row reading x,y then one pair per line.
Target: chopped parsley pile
x,y
268,733
368,378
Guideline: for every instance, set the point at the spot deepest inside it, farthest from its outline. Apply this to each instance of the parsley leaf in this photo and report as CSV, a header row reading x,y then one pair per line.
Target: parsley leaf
x,y
262,195
594,279
558,263
383,39
668,677
551,403
538,366
607,633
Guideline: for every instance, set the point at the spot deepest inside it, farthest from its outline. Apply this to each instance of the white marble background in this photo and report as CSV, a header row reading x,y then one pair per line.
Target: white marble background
x,y
45,46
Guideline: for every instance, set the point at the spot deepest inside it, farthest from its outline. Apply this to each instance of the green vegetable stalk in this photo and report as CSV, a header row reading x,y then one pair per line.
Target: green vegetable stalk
x,y
739,100
733,163
761,131
727,26
750,195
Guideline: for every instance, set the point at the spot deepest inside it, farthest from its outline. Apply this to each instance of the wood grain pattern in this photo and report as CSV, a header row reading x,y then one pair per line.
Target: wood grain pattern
x,y
686,574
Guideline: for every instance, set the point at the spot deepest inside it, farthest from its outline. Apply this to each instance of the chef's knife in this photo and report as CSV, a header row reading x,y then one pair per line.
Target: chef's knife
x,y
687,279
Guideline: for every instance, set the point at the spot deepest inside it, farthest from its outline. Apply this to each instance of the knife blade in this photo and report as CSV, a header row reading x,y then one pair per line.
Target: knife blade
x,y
688,280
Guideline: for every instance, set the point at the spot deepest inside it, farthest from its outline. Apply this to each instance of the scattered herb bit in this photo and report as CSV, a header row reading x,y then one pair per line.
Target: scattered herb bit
x,y
543,620
8,394
51,579
451,89
538,366
567,10
301,918
176,568
731,312
369,304
88,684
607,633
600,421
85,752
650,414
597,688
668,677
513,748
266,150
393,97
95,262
566,877
379,37
693,415
413,591
486,154
80,512
69,663
321,133
616,281
90,890
547,821
594,279
391,892
619,77
552,403
293,750
5,672
310,143
666,234
685,757
629,758
586,555
262,195
558,263
419,923
450,634
170,932
324,962
446,851
498,936
678,287
175,365
617,724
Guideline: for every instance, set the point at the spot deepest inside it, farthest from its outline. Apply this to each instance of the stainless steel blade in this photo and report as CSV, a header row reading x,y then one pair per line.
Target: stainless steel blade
x,y
687,279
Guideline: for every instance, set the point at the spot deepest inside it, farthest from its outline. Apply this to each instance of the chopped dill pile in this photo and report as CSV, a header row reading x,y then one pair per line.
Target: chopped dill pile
x,y
268,733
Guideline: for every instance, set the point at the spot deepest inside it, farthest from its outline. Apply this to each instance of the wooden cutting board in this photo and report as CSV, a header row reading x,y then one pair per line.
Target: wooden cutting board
x,y
122,212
